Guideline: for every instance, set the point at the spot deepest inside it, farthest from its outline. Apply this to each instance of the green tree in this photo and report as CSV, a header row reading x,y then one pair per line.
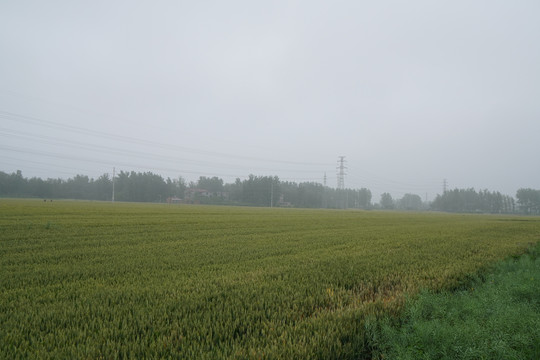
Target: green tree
x,y
213,185
142,187
468,200
235,191
36,187
176,187
310,195
13,184
103,188
364,198
529,200
77,187
410,202
386,201
261,190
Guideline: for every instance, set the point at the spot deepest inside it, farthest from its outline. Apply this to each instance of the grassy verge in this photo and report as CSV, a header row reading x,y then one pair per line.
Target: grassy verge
x,y
497,317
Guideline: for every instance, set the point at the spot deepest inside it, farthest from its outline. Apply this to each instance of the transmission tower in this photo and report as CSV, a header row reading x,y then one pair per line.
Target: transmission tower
x,y
445,185
341,173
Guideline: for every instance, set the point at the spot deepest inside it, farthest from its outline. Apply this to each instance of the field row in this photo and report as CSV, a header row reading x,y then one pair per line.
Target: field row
x,y
89,279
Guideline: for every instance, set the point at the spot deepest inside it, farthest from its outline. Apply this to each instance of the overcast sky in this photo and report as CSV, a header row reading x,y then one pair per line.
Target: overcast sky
x,y
411,92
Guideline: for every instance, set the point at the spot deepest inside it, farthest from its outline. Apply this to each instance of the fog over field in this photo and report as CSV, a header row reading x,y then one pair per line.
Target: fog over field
x,y
412,93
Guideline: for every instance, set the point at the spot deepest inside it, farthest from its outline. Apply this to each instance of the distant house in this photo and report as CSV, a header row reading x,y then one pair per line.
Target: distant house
x,y
194,194
283,203
174,200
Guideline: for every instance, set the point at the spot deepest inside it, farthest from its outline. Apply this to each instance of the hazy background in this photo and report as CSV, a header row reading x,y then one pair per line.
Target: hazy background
x,y
411,92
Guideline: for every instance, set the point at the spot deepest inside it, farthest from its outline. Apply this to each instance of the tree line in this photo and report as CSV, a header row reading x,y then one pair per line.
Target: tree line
x,y
256,191
150,187
470,200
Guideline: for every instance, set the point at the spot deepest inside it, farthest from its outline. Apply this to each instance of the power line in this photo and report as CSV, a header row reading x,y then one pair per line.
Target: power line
x,y
41,163
35,168
76,129
108,163
373,180
111,150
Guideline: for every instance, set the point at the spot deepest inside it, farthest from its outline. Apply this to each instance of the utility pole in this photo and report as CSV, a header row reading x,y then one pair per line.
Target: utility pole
x,y
113,174
272,194
324,199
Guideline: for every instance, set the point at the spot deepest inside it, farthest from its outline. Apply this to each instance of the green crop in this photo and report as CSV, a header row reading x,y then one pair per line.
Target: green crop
x,y
115,280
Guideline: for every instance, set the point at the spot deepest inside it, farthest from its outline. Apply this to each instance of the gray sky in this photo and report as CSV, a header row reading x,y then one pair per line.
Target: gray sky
x,y
411,92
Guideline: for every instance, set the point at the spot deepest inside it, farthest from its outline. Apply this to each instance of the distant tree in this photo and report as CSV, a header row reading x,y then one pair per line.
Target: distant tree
x,y
176,187
468,200
290,192
235,191
13,184
4,180
77,187
142,187
103,188
386,201
529,200
457,200
36,187
149,187
364,198
410,202
309,195
213,185
261,190
57,187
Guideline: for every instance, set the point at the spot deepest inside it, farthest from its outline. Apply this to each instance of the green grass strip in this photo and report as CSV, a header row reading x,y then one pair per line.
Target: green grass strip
x,y
497,318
